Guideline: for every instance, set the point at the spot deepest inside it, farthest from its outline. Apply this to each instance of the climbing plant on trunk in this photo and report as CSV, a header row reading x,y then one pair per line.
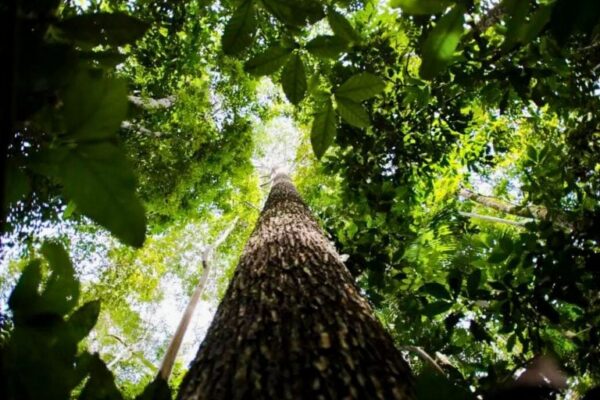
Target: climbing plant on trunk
x,y
292,323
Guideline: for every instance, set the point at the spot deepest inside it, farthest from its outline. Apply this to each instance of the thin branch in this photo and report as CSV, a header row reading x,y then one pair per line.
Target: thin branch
x,y
531,212
489,218
247,203
169,359
140,129
148,103
425,357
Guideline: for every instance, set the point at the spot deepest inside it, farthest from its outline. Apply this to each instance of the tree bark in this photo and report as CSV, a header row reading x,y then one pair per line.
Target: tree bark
x,y
292,324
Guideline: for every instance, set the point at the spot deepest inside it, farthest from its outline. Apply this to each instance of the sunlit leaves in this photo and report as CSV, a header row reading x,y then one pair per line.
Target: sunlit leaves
x,y
323,128
103,28
268,62
94,107
240,28
341,27
441,43
293,79
420,7
361,87
99,179
352,112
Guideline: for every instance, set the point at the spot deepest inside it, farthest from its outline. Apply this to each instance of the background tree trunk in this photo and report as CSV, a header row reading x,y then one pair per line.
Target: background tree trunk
x,y
292,324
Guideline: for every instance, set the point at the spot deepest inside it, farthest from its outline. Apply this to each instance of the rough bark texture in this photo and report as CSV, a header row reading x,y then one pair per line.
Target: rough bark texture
x,y
292,324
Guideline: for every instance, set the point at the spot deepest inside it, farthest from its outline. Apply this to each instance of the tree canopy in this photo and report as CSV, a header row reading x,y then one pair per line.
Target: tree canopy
x,y
450,149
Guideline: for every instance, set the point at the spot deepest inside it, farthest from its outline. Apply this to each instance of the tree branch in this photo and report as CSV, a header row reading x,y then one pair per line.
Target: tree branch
x,y
532,212
169,359
489,218
425,357
148,103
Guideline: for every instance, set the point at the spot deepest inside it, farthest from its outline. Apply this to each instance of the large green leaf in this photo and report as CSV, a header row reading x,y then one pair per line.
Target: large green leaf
x,y
436,290
99,179
25,294
323,129
361,87
103,28
341,27
352,112
327,46
62,288
441,43
101,383
94,107
240,29
420,7
431,385
83,320
295,13
293,79
437,307
268,62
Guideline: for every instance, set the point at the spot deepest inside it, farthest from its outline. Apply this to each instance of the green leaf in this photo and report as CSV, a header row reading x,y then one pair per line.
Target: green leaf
x,y
435,308
62,288
326,46
268,62
94,107
473,282
361,87
293,79
25,293
83,320
537,22
431,385
341,27
436,290
158,389
99,179
114,29
422,7
441,43
497,256
295,13
101,384
516,11
455,279
323,129
352,112
240,28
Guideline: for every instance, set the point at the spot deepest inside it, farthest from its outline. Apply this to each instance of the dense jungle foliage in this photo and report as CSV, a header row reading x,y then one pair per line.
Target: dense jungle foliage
x,y
450,148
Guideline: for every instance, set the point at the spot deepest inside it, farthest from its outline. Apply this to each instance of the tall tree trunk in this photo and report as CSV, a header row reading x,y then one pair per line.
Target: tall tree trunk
x,y
292,324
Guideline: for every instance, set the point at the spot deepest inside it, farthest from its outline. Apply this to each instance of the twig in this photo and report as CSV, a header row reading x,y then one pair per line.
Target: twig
x,y
425,357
